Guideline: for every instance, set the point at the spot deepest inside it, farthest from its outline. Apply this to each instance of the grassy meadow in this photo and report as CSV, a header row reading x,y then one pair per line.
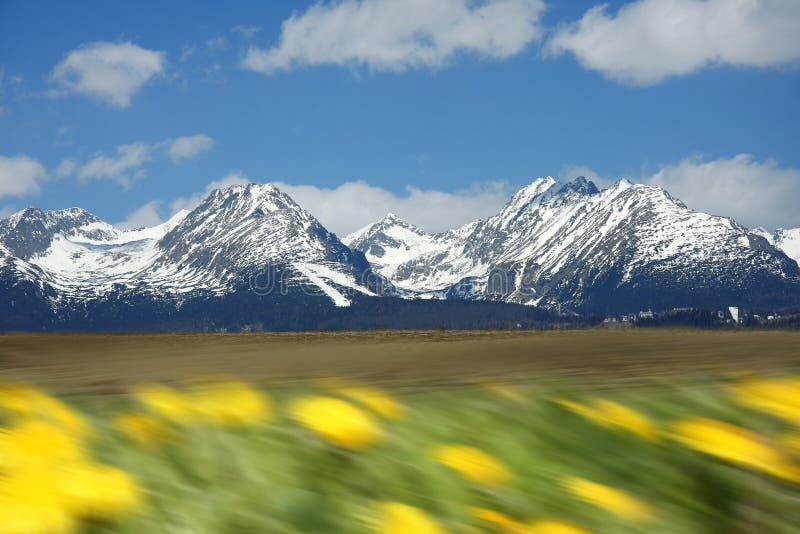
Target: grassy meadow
x,y
426,432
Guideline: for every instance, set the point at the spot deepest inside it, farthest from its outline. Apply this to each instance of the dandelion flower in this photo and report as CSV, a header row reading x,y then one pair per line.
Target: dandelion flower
x,y
397,518
30,503
99,491
337,421
504,523
498,520
31,403
376,400
34,444
231,404
736,445
610,414
165,402
144,429
474,464
775,396
611,499
553,526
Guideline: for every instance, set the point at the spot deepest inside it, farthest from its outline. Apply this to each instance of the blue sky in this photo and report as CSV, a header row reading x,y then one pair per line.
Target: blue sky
x,y
353,117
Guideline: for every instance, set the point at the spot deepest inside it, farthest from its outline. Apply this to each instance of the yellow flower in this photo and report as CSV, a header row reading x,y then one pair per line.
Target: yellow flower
x,y
775,396
610,414
498,520
374,399
231,403
587,412
29,402
736,445
613,500
337,421
506,524
35,444
473,464
30,503
144,429
397,518
99,491
552,526
165,402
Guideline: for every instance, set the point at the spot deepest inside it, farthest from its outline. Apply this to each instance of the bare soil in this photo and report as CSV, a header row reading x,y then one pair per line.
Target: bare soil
x,y
113,362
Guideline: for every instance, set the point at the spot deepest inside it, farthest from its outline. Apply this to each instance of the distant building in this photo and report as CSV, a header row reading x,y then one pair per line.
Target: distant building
x,y
734,312
646,314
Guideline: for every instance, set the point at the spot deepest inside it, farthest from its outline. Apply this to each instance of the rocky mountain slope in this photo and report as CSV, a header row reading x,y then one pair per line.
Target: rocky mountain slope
x,y
574,248
786,240
248,257
245,238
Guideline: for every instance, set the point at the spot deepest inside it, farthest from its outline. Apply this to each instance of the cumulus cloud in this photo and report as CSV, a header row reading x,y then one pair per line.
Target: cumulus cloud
x,y
191,202
647,41
183,148
353,205
124,167
127,163
398,34
20,175
144,216
754,193
112,72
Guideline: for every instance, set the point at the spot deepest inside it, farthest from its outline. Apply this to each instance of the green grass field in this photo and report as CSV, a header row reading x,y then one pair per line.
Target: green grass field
x,y
646,431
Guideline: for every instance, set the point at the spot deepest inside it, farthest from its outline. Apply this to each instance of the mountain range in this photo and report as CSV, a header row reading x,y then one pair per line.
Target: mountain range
x,y
249,257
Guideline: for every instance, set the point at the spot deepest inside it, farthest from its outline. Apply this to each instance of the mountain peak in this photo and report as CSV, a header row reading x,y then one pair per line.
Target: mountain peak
x,y
579,185
391,219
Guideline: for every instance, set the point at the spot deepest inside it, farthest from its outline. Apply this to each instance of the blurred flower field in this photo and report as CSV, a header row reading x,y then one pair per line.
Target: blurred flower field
x,y
332,456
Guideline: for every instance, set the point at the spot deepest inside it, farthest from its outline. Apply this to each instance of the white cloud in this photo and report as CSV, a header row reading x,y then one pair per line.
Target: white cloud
x,y
20,175
183,148
217,43
186,53
191,202
753,193
7,211
124,167
66,167
649,40
245,31
398,34
112,72
353,205
144,216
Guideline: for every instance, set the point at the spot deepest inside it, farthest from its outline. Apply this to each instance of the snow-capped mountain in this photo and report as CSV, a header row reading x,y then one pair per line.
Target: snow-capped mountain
x,y
250,237
574,247
250,257
787,240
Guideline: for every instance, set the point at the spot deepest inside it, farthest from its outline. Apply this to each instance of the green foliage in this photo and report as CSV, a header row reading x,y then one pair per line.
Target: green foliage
x,y
279,478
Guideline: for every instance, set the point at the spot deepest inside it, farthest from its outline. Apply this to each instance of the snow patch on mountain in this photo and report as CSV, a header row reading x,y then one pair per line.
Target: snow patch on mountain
x,y
232,235
554,242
